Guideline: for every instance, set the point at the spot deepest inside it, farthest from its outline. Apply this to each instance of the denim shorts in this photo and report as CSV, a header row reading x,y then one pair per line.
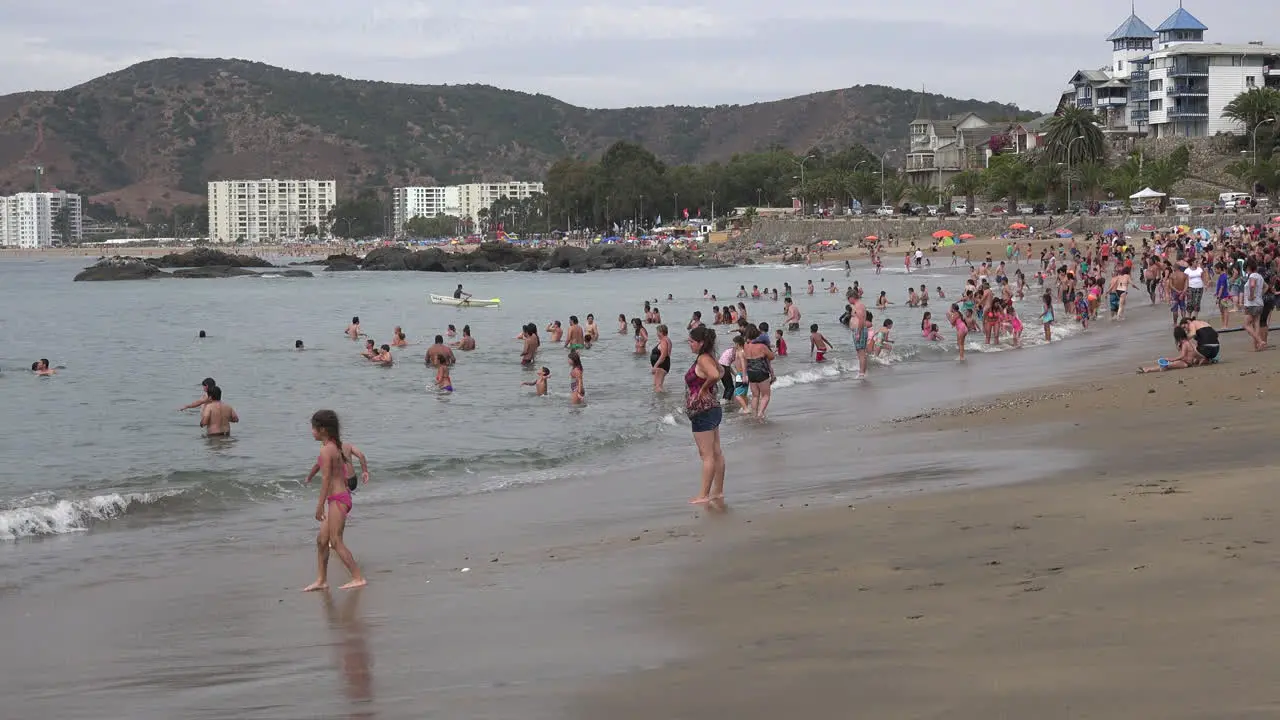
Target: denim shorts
x,y
707,420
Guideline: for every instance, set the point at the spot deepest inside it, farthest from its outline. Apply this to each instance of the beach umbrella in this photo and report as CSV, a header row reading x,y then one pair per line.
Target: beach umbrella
x,y
1276,219
949,241
966,236
1017,226
871,237
1109,232
1147,228
1184,228
942,234
1202,233
1063,233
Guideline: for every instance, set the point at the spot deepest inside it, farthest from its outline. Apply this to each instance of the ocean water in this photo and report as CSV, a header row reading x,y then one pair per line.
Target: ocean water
x,y
147,572
103,439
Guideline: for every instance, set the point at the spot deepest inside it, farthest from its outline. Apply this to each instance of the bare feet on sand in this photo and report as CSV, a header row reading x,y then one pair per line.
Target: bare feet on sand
x,y
700,501
358,582
316,586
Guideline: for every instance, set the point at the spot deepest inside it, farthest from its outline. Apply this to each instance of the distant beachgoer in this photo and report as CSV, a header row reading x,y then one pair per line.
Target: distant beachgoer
x,y
575,339
384,356
297,345
370,350
591,331
1188,356
440,357
622,324
458,294
819,346
353,330
577,383
41,368
642,336
466,342
216,416
792,312
660,358
539,383
705,414
529,336
450,331
202,334
205,384
334,504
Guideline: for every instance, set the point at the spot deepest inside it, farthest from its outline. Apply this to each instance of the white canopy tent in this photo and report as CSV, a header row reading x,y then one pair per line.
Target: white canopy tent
x,y
1146,194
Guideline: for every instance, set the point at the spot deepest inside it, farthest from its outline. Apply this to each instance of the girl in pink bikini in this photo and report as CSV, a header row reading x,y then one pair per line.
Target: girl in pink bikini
x,y
962,328
334,505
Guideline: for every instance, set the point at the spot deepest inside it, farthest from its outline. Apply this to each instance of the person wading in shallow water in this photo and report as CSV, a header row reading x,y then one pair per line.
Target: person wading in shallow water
x,y
334,504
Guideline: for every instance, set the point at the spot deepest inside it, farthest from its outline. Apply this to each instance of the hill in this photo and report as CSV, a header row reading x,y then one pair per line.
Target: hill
x,y
156,132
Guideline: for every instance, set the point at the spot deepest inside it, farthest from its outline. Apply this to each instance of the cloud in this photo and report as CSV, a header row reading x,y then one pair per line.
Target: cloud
x,y
611,53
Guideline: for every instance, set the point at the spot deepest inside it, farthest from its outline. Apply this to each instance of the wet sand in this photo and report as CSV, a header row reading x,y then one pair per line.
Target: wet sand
x,y
1138,585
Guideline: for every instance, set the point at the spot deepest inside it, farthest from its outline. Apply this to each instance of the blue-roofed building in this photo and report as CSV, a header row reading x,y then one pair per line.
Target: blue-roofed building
x,y
1181,27
1169,82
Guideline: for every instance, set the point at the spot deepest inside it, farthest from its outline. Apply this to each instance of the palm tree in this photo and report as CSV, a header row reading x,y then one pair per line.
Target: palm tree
x,y
862,186
1008,177
1047,180
895,187
968,183
1089,178
1166,172
1253,107
1062,129
1125,179
923,194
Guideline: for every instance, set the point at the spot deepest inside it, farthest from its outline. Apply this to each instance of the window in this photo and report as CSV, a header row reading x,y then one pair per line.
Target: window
x,y
1236,61
1156,85
1120,66
1157,105
1250,81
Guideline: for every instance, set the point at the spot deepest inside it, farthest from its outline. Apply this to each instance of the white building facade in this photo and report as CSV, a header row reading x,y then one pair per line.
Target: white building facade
x,y
462,201
268,210
32,220
408,203
1169,82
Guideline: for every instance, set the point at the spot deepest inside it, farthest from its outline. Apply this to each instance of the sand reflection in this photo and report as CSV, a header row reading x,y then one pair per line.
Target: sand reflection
x,y
352,648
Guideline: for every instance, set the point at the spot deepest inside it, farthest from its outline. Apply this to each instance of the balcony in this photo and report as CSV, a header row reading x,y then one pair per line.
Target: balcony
x,y
1188,67
1187,90
1085,103
1112,101
1187,113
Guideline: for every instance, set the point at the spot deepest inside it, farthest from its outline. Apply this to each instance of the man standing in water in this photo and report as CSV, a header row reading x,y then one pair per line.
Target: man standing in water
x,y
439,353
861,329
217,416
467,342
575,338
531,343
793,315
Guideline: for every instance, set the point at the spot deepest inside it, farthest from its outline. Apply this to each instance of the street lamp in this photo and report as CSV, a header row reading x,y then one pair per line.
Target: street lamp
x,y
675,206
802,161
1073,142
1255,137
759,195
882,176
713,209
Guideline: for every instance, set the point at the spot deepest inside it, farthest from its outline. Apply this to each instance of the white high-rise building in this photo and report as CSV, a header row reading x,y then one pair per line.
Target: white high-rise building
x,y
268,210
462,201
411,202
1169,82
31,220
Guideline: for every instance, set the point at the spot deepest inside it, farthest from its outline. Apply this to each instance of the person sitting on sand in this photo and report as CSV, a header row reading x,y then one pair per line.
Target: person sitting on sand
x,y
1188,355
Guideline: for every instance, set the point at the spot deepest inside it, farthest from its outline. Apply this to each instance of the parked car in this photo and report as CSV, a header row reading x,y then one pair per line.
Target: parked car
x,y
1038,209
884,210
1180,205
933,210
999,210
1026,210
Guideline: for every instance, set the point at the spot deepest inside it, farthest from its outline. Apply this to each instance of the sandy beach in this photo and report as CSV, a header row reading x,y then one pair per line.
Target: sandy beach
x,y
1135,586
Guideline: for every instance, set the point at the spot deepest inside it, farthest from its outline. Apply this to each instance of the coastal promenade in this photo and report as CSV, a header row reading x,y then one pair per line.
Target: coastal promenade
x,y
797,231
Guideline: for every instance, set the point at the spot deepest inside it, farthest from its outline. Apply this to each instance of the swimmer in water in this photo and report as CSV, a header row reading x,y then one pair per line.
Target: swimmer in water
x,y
297,345
577,385
202,334
370,350
41,368
622,324
539,384
397,338
591,330
467,342
451,332
384,356
334,504
204,400
440,357
819,346
216,416
555,331
353,330
577,339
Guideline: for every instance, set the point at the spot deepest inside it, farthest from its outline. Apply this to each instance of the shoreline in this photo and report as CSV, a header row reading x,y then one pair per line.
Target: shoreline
x,y
1126,587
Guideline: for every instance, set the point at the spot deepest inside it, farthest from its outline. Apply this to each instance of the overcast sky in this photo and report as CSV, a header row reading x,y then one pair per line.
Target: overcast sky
x,y
614,53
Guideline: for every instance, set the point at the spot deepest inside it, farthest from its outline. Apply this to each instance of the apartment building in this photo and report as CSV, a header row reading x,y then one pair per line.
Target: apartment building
x,y
463,201
32,220
268,210
1169,82
408,203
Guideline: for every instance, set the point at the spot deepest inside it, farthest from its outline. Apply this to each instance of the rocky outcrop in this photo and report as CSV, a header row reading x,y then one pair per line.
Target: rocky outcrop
x,y
208,257
132,268
493,257
211,271
119,268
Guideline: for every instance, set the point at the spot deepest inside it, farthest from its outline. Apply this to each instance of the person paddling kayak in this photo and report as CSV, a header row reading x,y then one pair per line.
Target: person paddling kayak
x,y
459,295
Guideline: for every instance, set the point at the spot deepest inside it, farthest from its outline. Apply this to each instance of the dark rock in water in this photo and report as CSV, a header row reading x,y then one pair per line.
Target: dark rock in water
x,y
387,258
294,273
341,266
492,257
120,268
565,257
212,271
340,258
208,257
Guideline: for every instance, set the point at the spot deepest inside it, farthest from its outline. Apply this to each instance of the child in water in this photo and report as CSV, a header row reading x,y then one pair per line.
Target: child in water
x,y
781,345
818,344
334,504
1046,317
880,339
540,383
